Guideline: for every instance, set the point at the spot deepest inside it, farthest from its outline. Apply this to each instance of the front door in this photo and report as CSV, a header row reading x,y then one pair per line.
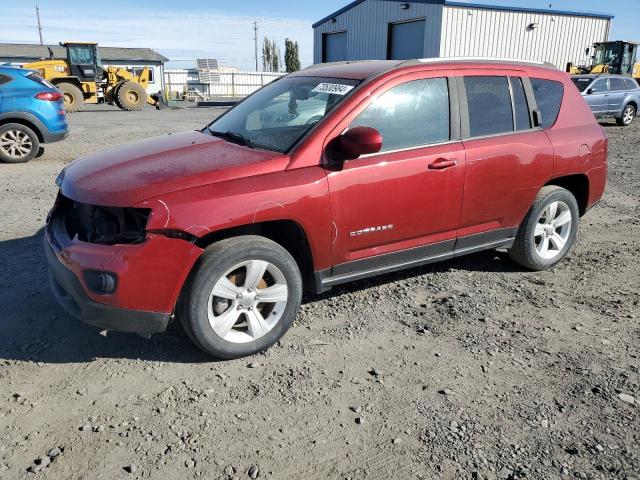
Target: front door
x,y
597,97
404,202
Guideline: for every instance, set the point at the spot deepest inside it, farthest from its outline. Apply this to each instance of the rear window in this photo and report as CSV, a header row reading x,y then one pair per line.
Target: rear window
x,y
489,102
548,95
38,79
617,84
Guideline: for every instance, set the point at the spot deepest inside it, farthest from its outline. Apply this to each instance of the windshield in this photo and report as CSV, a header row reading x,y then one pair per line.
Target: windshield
x,y
582,83
278,115
607,54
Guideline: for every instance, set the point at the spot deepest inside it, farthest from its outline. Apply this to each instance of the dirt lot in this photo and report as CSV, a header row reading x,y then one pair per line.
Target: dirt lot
x,y
469,369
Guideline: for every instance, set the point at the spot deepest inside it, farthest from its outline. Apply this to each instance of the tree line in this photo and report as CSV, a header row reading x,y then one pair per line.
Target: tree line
x,y
271,60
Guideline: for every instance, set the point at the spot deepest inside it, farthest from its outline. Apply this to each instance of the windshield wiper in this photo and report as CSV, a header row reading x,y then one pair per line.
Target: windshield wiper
x,y
234,137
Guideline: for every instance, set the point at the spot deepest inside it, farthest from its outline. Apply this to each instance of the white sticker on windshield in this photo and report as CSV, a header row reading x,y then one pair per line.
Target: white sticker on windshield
x,y
333,88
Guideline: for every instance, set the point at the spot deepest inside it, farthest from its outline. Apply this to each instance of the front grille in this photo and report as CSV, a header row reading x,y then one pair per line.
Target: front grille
x,y
101,225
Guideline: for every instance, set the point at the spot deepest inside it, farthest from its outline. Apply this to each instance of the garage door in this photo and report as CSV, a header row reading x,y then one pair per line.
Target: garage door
x,y
334,47
406,40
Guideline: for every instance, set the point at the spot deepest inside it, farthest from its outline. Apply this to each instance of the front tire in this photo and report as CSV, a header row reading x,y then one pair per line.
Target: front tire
x,y
131,96
548,231
627,117
242,297
18,143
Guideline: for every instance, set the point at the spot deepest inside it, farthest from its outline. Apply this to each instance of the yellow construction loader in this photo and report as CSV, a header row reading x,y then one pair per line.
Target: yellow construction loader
x,y
83,79
616,57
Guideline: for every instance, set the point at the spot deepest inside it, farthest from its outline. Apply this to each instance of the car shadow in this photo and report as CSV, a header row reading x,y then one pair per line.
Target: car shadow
x,y
34,328
488,261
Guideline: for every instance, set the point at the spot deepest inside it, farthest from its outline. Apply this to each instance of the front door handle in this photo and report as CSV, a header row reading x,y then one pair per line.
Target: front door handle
x,y
442,163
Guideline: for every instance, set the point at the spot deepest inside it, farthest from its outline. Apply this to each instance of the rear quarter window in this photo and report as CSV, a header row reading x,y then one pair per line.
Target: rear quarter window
x,y
548,95
38,79
631,84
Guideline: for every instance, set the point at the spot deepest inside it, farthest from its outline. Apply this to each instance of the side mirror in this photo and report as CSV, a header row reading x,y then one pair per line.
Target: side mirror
x,y
590,91
360,141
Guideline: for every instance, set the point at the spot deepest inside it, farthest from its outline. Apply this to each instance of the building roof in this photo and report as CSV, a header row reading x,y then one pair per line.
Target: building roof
x,y
451,3
107,54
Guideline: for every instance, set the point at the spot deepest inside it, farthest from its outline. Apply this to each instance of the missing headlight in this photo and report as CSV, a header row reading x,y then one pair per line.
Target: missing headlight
x,y
103,225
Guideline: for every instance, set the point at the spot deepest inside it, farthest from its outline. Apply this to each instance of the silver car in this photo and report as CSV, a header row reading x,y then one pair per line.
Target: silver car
x,y
610,96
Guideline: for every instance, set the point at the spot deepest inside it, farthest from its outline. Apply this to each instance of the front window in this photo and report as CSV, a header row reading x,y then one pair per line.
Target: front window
x,y
409,115
278,115
600,86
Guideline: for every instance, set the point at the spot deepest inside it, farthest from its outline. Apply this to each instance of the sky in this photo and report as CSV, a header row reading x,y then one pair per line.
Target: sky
x,y
189,29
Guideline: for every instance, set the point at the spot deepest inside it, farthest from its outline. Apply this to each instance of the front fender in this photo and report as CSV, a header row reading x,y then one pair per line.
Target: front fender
x,y
300,195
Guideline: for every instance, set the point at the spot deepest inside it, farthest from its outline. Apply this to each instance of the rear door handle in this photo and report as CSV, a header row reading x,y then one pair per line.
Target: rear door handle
x,y
442,163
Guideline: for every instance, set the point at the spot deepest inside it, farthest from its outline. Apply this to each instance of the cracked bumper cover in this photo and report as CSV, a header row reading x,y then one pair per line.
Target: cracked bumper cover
x,y
150,277
69,293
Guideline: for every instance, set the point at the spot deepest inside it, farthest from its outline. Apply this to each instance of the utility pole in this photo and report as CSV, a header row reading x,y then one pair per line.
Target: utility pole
x,y
39,26
255,41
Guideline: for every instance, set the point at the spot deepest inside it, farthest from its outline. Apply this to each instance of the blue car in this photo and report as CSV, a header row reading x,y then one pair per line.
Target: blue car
x,y
610,96
31,113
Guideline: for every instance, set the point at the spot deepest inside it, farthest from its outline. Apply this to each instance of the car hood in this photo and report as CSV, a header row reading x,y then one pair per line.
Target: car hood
x,y
128,174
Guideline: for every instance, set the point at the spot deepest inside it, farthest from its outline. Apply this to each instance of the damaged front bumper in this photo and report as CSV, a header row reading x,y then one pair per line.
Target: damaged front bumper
x,y
147,278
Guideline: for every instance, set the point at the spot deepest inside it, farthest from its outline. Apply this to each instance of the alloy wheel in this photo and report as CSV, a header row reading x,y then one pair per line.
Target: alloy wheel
x,y
553,230
247,301
16,144
627,116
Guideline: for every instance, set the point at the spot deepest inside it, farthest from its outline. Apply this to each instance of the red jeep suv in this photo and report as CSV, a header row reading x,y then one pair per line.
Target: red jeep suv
x,y
332,174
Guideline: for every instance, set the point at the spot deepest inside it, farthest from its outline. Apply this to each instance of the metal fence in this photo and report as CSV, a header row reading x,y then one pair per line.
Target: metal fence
x,y
207,84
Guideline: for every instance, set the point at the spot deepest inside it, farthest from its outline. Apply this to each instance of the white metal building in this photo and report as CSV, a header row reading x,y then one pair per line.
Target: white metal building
x,y
129,58
392,29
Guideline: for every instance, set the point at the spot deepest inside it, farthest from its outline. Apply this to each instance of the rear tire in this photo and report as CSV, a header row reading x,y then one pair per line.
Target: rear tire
x,y
73,98
548,231
114,97
18,143
241,298
131,96
627,117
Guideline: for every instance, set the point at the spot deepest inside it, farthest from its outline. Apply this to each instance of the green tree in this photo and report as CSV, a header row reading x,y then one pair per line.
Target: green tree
x,y
291,56
270,56
266,55
275,57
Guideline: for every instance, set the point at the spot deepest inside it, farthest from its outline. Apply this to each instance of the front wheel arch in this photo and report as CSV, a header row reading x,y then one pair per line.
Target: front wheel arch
x,y
289,234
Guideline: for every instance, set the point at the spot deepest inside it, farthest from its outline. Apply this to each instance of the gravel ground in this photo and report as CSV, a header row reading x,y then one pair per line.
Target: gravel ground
x,y
468,369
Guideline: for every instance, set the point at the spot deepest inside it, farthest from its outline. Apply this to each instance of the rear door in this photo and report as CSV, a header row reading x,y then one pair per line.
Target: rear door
x,y
618,93
597,97
508,158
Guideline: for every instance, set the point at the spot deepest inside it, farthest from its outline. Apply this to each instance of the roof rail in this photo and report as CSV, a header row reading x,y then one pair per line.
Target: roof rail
x,y
482,60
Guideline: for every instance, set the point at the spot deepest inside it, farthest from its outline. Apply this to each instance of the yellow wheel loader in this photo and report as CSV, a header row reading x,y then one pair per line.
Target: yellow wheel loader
x,y
617,57
83,79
